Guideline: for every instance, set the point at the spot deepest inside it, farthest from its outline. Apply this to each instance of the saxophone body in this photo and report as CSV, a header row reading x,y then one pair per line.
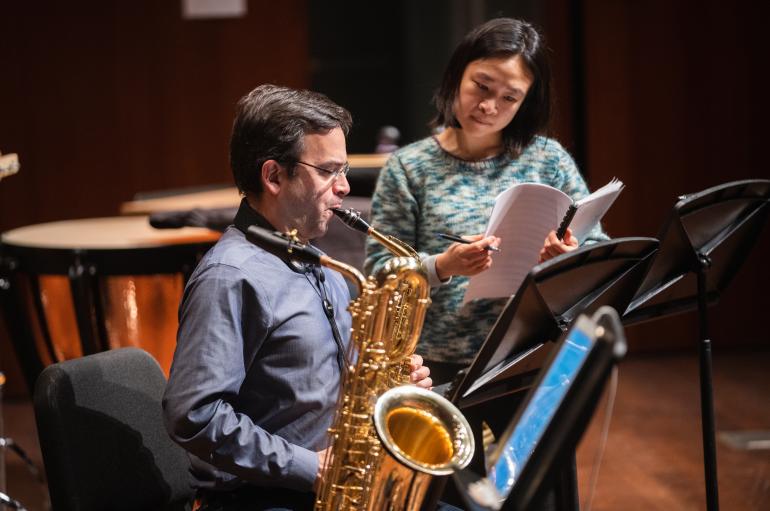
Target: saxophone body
x,y
388,438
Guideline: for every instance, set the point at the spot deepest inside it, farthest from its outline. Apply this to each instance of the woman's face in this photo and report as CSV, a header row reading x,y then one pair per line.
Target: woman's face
x,y
491,92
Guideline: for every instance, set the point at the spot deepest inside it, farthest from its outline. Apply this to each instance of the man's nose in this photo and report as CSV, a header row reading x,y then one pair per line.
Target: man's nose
x,y
341,185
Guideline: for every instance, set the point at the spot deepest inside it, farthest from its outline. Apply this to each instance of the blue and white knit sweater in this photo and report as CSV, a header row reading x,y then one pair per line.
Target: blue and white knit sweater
x,y
423,190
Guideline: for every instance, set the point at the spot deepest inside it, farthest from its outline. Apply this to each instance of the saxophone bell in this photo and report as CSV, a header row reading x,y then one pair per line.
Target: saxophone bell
x,y
424,435
423,430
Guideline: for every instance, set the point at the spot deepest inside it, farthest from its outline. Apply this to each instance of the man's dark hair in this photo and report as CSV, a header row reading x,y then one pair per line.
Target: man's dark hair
x,y
502,37
271,123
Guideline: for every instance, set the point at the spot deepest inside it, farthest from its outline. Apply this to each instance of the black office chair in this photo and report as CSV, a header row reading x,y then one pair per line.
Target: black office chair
x,y
101,433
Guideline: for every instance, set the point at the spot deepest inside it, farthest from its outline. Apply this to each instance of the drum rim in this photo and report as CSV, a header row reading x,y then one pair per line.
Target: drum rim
x,y
164,259
139,234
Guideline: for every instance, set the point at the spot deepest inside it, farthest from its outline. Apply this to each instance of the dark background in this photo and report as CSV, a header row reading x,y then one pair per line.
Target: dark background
x,y
105,99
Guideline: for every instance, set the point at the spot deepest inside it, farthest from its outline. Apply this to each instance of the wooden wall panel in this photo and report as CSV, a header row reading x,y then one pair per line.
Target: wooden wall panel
x,y
105,99
675,105
102,100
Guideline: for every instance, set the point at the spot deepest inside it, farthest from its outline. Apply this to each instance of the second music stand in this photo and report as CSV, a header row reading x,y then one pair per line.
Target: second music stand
x,y
704,241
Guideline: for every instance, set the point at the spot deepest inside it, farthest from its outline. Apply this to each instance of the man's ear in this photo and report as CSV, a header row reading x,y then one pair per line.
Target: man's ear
x,y
272,179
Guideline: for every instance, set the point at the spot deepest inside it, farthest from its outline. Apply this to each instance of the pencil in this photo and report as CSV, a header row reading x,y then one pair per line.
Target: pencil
x,y
458,239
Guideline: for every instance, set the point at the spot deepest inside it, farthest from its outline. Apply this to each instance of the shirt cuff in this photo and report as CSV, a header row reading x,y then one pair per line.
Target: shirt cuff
x,y
302,470
429,263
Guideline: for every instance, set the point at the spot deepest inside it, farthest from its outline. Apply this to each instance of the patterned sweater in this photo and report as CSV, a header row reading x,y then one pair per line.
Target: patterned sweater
x,y
423,190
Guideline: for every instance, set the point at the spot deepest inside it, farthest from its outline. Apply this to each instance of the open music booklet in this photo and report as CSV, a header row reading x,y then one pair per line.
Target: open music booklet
x,y
522,217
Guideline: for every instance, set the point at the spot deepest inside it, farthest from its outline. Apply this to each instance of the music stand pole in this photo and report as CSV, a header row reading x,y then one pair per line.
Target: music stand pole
x,y
2,436
708,425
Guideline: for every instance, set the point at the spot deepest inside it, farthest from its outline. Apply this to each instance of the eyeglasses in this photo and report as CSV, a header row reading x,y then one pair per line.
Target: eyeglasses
x,y
342,171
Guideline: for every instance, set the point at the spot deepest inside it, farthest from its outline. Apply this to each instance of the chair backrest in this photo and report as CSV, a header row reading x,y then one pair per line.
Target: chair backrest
x,y
102,436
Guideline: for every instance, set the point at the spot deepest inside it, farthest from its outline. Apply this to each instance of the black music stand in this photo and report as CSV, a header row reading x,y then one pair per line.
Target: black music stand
x,y
708,233
550,298
548,426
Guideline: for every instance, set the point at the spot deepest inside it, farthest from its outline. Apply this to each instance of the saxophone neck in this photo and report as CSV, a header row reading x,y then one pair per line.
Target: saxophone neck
x,y
352,219
347,271
394,245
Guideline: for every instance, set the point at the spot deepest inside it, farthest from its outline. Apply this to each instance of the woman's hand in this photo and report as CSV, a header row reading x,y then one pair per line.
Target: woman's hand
x,y
420,374
466,259
553,247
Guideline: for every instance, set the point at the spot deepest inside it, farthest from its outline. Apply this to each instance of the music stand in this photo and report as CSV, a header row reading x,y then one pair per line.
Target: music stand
x,y
707,233
554,416
550,297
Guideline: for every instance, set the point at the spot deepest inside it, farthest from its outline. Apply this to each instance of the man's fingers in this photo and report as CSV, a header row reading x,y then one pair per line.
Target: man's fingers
x,y
426,383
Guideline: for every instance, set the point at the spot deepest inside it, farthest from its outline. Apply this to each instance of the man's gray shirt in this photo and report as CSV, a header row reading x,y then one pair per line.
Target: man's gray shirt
x,y
255,376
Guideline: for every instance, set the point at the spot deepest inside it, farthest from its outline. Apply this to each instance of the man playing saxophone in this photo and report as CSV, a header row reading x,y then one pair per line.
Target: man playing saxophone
x,y
262,340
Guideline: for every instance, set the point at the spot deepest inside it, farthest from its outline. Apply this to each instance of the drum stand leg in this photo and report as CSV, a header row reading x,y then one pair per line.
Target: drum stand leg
x,y
84,298
4,498
18,329
9,502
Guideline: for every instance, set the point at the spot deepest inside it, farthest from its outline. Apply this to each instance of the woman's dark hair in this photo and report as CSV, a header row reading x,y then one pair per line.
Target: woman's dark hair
x,y
271,123
502,37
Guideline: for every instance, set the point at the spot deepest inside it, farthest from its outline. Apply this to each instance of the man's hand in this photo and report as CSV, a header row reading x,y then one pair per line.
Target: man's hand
x,y
420,374
324,457
466,258
553,247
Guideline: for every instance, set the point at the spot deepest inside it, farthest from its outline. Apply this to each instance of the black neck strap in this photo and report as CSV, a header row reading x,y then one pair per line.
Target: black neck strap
x,y
329,311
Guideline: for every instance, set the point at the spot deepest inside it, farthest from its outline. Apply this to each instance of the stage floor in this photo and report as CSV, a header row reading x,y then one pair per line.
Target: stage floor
x,y
653,458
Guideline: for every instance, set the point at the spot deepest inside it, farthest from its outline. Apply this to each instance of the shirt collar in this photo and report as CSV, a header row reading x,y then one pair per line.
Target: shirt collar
x,y
247,216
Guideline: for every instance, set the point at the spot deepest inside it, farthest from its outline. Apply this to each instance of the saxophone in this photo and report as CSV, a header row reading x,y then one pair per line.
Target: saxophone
x,y
388,439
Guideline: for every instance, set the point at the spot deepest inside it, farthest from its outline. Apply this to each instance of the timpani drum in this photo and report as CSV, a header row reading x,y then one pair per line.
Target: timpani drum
x,y
77,287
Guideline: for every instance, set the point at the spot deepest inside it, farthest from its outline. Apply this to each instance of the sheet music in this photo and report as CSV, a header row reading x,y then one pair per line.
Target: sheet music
x,y
592,208
522,217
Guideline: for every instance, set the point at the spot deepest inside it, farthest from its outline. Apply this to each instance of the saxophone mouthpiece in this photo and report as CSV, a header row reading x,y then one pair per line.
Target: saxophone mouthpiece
x,y
352,219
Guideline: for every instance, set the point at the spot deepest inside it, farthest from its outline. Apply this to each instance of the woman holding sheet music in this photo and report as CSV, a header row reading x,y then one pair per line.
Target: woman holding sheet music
x,y
493,104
